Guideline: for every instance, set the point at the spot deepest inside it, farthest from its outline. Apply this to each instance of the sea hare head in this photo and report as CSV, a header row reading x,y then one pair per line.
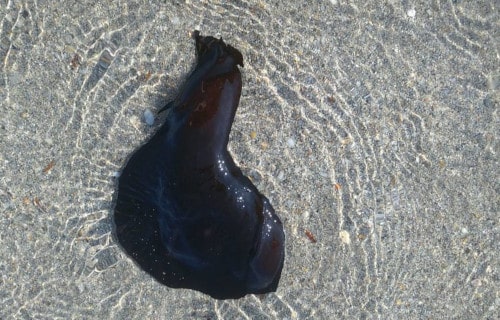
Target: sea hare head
x,y
185,212
204,44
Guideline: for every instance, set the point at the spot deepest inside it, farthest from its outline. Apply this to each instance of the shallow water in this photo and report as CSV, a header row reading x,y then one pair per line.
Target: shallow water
x,y
371,128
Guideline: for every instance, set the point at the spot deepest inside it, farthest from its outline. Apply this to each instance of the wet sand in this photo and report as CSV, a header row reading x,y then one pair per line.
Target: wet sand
x,y
373,130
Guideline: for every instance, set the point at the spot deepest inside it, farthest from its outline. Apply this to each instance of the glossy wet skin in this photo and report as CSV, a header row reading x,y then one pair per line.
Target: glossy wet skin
x,y
185,212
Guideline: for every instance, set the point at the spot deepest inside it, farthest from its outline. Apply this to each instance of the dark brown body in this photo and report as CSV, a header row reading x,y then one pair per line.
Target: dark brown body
x,y
185,212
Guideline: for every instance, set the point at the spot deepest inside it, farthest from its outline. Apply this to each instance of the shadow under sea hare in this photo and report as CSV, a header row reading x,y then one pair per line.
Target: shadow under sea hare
x,y
184,211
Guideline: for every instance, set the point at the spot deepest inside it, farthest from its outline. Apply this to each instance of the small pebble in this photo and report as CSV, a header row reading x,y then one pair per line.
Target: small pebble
x,y
411,13
281,175
306,215
290,142
149,117
345,237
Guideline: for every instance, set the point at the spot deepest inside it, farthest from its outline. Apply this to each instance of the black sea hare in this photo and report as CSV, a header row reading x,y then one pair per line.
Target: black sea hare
x,y
185,212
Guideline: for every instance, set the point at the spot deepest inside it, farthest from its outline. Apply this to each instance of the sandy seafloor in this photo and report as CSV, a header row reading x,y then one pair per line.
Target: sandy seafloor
x,y
373,125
